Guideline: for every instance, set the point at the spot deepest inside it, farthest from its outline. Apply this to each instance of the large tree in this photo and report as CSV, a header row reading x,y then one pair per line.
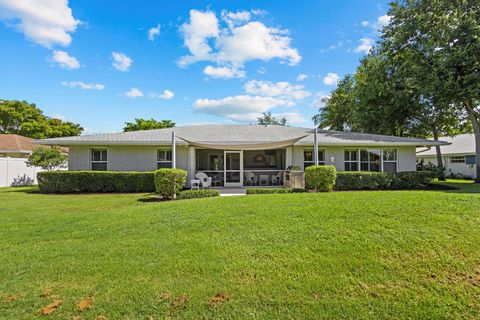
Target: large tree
x,y
23,118
268,119
147,124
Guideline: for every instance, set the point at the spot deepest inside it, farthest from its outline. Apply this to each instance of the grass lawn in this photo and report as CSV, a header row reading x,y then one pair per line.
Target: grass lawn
x,y
363,255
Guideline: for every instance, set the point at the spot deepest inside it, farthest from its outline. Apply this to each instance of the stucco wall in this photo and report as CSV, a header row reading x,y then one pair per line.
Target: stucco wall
x,y
456,168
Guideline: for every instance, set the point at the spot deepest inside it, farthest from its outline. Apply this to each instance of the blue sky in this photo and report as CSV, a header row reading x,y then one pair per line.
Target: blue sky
x,y
102,63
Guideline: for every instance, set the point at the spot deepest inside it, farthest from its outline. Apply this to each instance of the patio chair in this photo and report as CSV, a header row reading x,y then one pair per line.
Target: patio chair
x,y
264,180
277,178
206,180
251,178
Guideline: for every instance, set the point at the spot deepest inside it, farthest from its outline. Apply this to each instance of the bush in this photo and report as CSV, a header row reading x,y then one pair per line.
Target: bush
x,y
94,181
169,181
194,194
320,178
412,179
363,181
273,190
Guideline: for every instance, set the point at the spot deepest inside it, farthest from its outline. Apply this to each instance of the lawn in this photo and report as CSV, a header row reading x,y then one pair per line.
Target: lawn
x,y
363,255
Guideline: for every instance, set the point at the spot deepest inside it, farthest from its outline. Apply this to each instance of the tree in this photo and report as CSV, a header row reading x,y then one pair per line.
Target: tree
x,y
147,124
23,118
268,119
47,158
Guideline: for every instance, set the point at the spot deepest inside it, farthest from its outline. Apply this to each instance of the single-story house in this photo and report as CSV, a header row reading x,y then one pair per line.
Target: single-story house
x,y
240,155
458,156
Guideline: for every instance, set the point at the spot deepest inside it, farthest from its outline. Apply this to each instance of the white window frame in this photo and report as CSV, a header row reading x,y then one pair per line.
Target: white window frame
x,y
357,151
92,150
359,162
455,159
321,163
390,161
369,161
166,149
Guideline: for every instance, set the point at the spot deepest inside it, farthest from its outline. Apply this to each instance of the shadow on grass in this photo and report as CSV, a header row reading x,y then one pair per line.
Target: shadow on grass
x,y
152,198
455,187
21,190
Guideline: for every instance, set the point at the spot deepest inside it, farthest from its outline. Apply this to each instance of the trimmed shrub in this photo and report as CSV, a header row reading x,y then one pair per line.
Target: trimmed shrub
x,y
274,190
320,178
94,181
194,194
412,179
363,181
169,181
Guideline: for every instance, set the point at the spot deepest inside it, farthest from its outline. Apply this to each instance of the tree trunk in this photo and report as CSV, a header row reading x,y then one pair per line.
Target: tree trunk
x,y
476,131
439,156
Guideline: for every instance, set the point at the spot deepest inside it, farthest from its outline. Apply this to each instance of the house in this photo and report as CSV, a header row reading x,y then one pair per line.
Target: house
x,y
458,156
240,155
14,151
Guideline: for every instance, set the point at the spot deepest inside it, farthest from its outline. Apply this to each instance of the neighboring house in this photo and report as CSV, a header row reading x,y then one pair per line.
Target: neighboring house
x,y
240,155
458,156
14,151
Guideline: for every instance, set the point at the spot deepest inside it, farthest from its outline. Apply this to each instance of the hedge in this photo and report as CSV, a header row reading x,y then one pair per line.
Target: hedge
x,y
320,178
274,190
363,181
412,179
195,194
94,181
169,181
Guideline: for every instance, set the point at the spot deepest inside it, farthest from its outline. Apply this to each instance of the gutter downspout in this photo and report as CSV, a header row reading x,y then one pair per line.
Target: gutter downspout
x,y
315,147
174,151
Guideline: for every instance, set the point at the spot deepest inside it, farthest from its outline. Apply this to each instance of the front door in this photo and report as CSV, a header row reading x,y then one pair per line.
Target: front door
x,y
233,168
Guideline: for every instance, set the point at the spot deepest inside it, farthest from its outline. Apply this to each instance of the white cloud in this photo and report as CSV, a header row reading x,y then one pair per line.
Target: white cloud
x,y
65,60
365,46
154,32
166,95
121,62
46,22
302,77
365,23
331,79
282,90
292,117
238,108
240,41
223,72
383,21
83,85
336,45
261,70
133,93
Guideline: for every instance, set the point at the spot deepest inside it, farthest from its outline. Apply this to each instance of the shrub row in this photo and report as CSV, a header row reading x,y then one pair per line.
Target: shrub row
x,y
383,180
95,181
194,194
273,190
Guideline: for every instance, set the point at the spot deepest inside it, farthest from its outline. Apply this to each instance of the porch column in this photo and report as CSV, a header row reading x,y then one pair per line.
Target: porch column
x,y
174,151
315,147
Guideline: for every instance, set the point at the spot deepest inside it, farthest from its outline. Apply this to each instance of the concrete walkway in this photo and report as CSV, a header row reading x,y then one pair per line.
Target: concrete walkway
x,y
228,192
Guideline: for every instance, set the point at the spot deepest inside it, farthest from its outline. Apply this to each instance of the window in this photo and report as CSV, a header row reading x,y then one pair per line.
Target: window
x,y
390,160
164,158
370,160
308,159
351,160
99,159
457,159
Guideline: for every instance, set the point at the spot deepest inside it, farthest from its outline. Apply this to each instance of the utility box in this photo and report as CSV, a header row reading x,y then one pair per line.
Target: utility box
x,y
294,178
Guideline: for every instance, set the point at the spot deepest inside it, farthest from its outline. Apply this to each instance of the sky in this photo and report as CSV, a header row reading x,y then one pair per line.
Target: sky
x,y
104,63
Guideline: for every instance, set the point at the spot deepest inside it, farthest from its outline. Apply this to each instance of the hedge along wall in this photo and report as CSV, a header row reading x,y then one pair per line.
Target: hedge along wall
x,y
407,180
95,181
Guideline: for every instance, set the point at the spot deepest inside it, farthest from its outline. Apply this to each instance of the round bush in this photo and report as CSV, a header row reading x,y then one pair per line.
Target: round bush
x,y
169,181
320,178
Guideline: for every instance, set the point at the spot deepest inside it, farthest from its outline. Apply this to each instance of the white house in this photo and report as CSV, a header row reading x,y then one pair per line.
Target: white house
x,y
240,155
458,156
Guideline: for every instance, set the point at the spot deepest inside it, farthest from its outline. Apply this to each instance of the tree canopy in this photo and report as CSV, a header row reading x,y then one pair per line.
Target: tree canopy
x,y
47,158
26,119
268,119
147,124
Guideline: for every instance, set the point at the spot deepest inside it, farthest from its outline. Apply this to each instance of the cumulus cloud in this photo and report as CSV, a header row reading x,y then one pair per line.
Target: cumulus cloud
x,y
83,85
46,22
365,46
292,117
238,108
302,77
331,79
153,32
121,62
133,93
166,95
235,42
282,89
224,72
64,60
383,21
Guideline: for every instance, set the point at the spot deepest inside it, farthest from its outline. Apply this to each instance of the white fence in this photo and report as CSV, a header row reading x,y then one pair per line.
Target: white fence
x,y
14,172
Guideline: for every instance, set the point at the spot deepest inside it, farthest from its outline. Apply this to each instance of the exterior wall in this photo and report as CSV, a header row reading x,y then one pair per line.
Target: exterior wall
x,y
407,160
78,158
455,168
15,172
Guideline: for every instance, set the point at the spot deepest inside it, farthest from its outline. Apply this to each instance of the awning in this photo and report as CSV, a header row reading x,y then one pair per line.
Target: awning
x,y
243,145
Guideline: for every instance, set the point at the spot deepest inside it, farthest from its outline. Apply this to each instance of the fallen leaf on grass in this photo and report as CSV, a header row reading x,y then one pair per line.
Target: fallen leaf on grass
x,y
47,292
218,298
84,304
51,307
165,296
10,298
180,301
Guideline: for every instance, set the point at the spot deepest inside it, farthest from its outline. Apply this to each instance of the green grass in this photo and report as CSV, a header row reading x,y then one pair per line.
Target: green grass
x,y
362,255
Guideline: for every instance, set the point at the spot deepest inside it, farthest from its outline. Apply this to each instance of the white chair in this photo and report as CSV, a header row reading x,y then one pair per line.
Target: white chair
x,y
195,184
251,178
206,180
277,178
264,180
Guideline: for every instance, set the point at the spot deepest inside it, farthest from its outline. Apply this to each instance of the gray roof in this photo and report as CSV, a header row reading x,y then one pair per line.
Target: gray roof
x,y
461,144
238,135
